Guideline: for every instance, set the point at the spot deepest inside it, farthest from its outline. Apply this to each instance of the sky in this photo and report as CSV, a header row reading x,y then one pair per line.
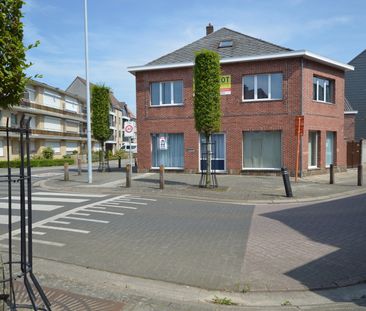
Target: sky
x,y
125,33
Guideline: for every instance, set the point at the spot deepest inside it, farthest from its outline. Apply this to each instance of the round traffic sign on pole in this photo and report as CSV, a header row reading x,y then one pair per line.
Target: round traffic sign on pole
x,y
129,129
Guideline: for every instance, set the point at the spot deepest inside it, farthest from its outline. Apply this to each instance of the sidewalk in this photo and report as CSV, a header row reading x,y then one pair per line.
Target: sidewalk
x,y
237,188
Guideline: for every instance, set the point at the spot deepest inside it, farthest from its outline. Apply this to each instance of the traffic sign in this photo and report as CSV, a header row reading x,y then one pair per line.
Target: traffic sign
x,y
129,129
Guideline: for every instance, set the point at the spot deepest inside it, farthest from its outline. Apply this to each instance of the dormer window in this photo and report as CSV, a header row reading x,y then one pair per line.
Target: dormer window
x,y
226,43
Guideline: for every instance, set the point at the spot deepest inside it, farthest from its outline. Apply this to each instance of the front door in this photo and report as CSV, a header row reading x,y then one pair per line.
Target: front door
x,y
218,161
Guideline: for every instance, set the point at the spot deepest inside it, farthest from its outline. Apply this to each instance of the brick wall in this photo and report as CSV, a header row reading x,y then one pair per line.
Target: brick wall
x,y
239,116
349,127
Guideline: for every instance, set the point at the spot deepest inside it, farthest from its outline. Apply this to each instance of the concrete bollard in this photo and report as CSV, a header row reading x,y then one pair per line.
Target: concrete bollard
x,y
66,172
128,176
79,166
359,175
331,174
286,182
161,173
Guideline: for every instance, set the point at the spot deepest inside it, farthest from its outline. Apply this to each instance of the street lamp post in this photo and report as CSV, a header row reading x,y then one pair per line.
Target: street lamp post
x,y
88,124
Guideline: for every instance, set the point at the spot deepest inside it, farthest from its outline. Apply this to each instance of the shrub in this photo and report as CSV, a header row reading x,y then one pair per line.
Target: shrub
x,y
47,153
38,163
67,156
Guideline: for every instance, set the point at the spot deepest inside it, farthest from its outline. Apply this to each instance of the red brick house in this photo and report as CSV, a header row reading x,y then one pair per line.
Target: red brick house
x,y
265,86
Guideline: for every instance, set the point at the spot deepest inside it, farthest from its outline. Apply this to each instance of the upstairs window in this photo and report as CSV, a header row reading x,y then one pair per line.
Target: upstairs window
x,y
166,93
71,104
262,87
323,90
226,44
30,94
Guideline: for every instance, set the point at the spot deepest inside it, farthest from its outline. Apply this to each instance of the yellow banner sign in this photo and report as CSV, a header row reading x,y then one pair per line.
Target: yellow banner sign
x,y
225,85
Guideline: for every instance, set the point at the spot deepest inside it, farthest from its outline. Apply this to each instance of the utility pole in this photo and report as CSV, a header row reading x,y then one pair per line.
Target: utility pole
x,y
88,123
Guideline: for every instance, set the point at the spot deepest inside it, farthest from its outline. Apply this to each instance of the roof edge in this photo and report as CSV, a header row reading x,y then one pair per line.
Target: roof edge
x,y
301,53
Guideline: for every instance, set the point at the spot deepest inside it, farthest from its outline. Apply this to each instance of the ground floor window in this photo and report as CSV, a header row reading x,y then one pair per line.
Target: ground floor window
x,y
313,149
168,150
1,149
218,160
54,145
262,150
329,148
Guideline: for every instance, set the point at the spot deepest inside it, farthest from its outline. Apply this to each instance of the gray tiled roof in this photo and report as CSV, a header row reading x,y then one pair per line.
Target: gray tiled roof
x,y
243,46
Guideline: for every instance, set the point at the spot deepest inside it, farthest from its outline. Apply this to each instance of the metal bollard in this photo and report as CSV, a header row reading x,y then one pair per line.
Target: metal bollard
x,y
359,175
286,182
161,172
66,172
128,176
79,166
331,174
119,162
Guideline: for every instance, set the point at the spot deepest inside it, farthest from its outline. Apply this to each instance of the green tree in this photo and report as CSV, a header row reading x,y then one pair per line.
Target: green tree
x,y
100,117
207,108
12,53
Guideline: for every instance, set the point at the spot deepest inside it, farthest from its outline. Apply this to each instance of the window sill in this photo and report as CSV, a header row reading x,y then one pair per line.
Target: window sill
x,y
260,169
167,105
168,168
313,168
261,100
320,102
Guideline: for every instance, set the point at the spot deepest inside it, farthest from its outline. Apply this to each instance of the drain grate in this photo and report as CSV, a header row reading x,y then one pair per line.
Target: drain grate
x,y
65,301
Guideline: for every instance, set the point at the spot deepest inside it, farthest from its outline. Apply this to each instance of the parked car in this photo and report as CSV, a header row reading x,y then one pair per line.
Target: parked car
x,y
126,147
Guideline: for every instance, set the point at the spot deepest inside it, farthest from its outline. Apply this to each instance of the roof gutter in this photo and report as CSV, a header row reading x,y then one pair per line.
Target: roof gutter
x,y
291,54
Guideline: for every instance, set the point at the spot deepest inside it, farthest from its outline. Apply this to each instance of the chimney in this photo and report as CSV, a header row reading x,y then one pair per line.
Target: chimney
x,y
209,29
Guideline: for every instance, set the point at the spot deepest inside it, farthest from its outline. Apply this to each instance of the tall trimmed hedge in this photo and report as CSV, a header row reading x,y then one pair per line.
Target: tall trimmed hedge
x,y
207,107
13,61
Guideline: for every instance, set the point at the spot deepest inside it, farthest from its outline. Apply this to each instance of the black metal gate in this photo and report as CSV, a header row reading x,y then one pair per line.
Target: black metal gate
x,y
21,269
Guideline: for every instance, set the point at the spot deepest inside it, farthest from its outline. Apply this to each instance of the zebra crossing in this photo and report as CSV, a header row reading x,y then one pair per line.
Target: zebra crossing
x,y
95,210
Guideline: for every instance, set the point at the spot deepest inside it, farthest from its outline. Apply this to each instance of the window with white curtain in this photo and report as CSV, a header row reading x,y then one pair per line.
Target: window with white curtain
x,y
262,150
218,149
52,99
329,148
1,148
71,146
54,145
313,149
71,104
171,153
52,124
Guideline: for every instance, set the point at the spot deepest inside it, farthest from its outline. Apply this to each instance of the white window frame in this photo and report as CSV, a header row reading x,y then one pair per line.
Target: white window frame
x,y
67,122
52,129
56,96
1,148
269,81
31,90
317,134
56,150
330,81
171,94
69,101
70,150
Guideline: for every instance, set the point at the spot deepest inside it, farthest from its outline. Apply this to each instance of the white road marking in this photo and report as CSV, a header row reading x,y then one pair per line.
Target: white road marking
x,y
101,207
74,211
63,200
60,222
4,219
43,242
63,229
87,219
35,207
125,201
142,199
70,194
104,212
81,214
120,206
38,233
